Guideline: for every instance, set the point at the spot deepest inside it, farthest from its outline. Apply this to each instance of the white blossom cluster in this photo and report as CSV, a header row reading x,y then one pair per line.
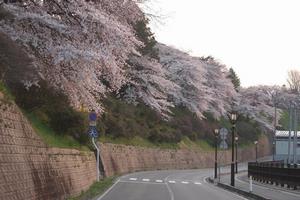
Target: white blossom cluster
x,y
259,103
77,45
202,86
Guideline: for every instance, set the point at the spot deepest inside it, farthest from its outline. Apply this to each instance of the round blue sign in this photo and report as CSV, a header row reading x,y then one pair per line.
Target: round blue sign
x,y
93,116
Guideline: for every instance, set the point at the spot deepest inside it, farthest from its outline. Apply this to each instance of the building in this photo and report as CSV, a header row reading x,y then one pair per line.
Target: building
x,y
281,146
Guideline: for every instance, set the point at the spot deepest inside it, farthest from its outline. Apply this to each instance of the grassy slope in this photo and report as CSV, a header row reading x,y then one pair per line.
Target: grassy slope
x,y
96,189
141,142
50,137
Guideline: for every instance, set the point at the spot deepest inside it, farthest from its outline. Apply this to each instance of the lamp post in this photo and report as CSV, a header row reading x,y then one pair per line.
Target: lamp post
x,y
256,142
236,154
216,151
233,118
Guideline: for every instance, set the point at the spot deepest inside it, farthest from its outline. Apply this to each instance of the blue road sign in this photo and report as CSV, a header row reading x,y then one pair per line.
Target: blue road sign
x,y
92,116
93,132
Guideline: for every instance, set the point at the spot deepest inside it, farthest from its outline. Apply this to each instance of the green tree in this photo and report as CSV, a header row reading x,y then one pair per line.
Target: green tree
x,y
234,78
144,34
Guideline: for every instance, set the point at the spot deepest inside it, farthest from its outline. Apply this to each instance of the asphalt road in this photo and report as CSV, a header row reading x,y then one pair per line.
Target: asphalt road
x,y
167,185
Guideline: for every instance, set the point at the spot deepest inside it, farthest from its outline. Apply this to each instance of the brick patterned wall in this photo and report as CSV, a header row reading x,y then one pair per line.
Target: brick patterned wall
x,y
120,159
31,170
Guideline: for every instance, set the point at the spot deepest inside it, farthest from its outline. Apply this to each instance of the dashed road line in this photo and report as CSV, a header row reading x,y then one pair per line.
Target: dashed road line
x,y
145,179
172,181
141,182
184,182
133,179
198,183
158,181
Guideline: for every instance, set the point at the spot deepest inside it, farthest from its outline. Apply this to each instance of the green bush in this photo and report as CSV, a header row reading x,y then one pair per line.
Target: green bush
x,y
53,108
247,130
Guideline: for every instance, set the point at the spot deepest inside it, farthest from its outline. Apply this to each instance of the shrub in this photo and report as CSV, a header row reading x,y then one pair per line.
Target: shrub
x,y
53,108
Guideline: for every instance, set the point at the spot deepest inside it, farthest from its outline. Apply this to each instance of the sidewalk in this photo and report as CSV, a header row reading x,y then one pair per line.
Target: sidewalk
x,y
265,191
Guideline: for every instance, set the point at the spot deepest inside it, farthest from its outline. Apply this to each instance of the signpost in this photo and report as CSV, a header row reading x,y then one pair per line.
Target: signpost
x,y
93,133
223,146
223,135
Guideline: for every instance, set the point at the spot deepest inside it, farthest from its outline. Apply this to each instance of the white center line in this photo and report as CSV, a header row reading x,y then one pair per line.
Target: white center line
x,y
184,182
172,181
146,179
158,181
133,179
198,183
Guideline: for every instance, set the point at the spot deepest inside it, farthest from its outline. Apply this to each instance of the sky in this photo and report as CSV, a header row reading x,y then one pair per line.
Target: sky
x,y
259,39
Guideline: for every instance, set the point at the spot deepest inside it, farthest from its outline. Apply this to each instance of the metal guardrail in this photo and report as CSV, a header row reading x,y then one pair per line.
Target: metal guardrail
x,y
275,172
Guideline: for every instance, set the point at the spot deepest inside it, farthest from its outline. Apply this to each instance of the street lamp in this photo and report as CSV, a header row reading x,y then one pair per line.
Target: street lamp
x,y
233,118
216,151
256,142
236,153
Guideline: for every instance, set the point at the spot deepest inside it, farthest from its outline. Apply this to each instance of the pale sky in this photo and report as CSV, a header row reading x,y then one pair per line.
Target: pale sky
x,y
260,39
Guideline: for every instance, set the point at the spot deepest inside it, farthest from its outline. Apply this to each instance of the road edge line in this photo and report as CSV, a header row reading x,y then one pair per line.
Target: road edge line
x,y
108,190
236,190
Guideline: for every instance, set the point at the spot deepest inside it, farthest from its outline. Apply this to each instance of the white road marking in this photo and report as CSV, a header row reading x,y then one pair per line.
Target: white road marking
x,y
198,183
220,189
109,189
169,188
184,182
140,182
158,181
133,179
172,181
146,179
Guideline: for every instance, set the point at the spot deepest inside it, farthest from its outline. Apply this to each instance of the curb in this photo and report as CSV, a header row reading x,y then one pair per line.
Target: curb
x,y
238,191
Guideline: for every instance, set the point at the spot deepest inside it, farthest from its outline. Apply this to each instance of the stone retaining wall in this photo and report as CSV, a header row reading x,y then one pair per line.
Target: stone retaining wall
x,y
120,159
31,170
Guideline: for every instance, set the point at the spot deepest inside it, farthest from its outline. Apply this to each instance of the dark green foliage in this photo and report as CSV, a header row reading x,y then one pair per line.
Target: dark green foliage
x,y
284,121
52,107
144,34
127,120
123,120
234,78
247,130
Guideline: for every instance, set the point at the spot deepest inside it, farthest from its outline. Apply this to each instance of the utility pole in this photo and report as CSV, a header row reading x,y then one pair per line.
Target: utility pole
x,y
290,131
295,136
275,123
236,154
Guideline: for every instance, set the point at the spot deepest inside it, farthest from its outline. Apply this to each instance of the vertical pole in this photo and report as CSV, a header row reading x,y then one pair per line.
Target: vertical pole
x,y
290,130
232,155
236,157
256,152
250,185
275,123
295,137
219,173
97,159
216,155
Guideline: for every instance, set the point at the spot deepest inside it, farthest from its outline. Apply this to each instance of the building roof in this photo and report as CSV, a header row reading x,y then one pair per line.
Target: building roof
x,y
286,133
